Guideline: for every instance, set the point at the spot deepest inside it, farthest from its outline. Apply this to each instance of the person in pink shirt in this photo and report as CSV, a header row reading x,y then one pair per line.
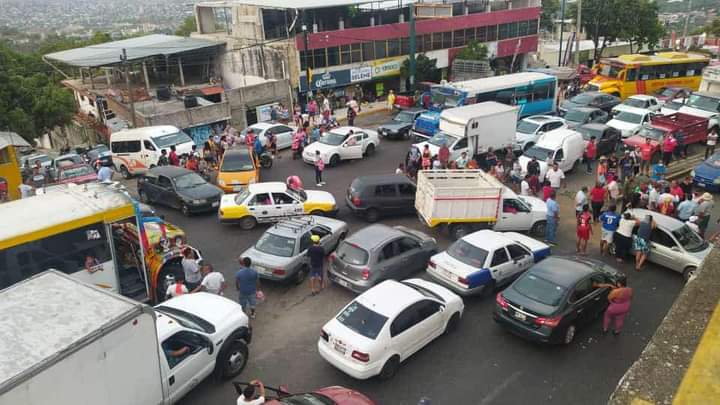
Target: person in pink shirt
x,y
677,191
319,167
668,147
294,182
297,143
444,155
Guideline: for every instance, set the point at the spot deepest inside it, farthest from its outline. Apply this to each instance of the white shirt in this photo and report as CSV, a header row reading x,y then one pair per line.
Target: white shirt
x,y
712,139
614,189
104,174
191,270
242,401
580,200
653,196
213,282
172,290
25,190
524,188
555,177
625,227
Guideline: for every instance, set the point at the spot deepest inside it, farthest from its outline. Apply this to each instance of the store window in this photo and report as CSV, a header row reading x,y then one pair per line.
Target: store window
x,y
356,53
470,34
523,28
458,38
303,60
427,43
532,27
368,51
437,38
405,46
380,49
481,34
393,46
492,34
333,56
345,54
319,58
447,40
419,43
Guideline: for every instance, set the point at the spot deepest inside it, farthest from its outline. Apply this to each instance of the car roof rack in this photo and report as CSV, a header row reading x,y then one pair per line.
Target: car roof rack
x,y
295,224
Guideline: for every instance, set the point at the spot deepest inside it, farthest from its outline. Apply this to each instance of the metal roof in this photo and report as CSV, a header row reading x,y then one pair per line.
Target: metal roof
x,y
137,48
306,4
11,138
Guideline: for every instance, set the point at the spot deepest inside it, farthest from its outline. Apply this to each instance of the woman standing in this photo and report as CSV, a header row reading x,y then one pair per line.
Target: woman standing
x,y
426,158
584,230
623,236
597,200
642,241
619,297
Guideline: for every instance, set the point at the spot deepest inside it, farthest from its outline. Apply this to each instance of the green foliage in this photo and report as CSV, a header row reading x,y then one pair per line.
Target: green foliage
x,y
550,9
425,69
474,51
713,28
188,26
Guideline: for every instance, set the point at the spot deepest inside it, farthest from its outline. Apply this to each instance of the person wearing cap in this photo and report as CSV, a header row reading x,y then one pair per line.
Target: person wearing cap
x,y
703,210
692,224
686,208
316,254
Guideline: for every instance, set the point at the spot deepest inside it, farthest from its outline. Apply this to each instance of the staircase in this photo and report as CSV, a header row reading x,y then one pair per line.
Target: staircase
x,y
132,285
681,168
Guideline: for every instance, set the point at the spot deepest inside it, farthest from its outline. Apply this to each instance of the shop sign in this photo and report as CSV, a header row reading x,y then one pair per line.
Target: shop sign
x,y
326,80
361,74
387,66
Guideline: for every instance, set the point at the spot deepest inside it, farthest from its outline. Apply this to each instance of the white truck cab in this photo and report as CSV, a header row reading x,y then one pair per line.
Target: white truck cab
x,y
564,146
705,105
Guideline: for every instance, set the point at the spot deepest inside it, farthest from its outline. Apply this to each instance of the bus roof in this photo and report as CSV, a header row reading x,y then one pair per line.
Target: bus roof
x,y
657,59
501,82
61,209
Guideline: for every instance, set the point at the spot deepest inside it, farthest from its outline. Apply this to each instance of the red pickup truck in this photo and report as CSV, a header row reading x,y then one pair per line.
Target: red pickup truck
x,y
693,128
407,99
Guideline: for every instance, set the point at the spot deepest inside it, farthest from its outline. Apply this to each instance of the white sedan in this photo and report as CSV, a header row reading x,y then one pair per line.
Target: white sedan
x,y
283,133
630,120
485,259
387,324
343,143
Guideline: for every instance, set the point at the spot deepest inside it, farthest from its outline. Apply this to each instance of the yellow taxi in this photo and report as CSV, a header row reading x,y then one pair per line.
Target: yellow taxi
x,y
272,202
238,168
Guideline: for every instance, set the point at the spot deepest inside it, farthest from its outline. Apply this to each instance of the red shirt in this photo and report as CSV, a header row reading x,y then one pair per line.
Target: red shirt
x,y
646,151
444,154
678,192
173,158
546,192
597,194
591,150
669,145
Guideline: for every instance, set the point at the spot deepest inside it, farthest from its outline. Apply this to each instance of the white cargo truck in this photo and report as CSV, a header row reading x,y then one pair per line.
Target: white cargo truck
x,y
473,129
467,200
66,342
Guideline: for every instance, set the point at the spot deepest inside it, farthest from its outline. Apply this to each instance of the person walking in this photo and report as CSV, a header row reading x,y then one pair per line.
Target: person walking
x,y
444,155
710,142
609,221
212,282
641,244
247,283
619,298
391,100
556,177
597,200
297,142
646,152
668,147
316,255
590,153
553,217
581,200
312,110
584,230
191,269
351,114
319,167
426,158
173,157
623,236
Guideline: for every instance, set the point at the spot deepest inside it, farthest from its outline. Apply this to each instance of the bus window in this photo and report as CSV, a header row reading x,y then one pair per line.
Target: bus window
x,y
647,73
541,92
505,97
631,75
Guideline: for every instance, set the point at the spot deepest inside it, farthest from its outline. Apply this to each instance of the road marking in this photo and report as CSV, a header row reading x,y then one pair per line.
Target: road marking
x,y
489,398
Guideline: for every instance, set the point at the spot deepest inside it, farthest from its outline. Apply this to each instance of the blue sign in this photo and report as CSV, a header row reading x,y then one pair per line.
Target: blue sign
x,y
326,80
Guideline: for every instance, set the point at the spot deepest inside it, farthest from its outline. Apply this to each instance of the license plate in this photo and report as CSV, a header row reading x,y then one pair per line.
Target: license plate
x,y
343,282
520,316
340,347
216,203
447,274
261,269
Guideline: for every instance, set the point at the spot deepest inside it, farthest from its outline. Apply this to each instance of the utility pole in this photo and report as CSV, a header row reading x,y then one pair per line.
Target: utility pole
x,y
578,29
123,59
562,25
307,63
413,48
687,17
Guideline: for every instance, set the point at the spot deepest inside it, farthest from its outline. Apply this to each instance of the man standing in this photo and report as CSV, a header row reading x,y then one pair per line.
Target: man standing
x,y
533,167
212,282
553,217
686,208
163,159
609,221
444,156
590,152
556,177
316,254
581,200
668,147
703,210
646,151
105,174
710,143
247,283
173,158
319,167
191,269
525,186
391,100
462,161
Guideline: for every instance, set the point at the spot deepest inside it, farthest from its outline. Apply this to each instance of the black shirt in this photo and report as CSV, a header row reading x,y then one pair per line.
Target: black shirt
x,y
686,188
316,253
533,168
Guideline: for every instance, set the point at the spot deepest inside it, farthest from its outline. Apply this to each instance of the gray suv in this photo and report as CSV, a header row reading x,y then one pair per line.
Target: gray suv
x,y
381,195
279,254
377,253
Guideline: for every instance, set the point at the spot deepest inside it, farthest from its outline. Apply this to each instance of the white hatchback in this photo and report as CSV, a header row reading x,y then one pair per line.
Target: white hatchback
x,y
387,324
340,144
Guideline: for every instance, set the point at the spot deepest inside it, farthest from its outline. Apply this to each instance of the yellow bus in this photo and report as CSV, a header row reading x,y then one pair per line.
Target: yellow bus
x,y
88,231
627,75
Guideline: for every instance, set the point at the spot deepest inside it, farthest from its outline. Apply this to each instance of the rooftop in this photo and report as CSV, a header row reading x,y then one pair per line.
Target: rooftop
x,y
11,138
302,5
389,297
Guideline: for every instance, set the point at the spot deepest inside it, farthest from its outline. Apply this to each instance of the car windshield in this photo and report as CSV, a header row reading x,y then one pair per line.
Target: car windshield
x,y
276,245
237,162
629,117
189,180
241,196
582,99
168,140
100,149
634,102
690,241
609,71
71,172
41,158
539,289
526,127
576,115
332,138
539,153
587,132
308,398
405,116
466,253
299,195
650,132
441,138
362,320
352,254
673,105
424,291
666,92
710,104
187,319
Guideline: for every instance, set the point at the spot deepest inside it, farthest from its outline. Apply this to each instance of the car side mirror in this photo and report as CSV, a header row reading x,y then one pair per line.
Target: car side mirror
x,y
208,344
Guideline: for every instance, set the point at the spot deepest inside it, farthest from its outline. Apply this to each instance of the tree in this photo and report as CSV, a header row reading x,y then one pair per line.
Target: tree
x,y
425,69
713,28
188,26
641,25
474,51
550,10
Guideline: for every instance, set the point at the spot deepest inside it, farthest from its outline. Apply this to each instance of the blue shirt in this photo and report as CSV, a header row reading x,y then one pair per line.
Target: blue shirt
x,y
104,174
247,278
610,220
685,209
553,209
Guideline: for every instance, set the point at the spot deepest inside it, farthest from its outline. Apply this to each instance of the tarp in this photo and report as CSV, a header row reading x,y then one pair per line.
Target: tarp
x,y
11,138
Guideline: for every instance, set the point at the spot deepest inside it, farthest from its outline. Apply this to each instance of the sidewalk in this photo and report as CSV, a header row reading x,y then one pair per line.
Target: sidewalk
x,y
377,107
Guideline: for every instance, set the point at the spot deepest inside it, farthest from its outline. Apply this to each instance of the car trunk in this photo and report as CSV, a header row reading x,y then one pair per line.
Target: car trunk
x,y
351,261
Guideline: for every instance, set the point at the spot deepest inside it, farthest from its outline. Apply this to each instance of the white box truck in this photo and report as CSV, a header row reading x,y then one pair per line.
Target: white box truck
x,y
66,342
473,129
467,200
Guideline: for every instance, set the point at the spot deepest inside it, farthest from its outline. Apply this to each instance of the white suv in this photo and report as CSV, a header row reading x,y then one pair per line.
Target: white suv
x,y
529,129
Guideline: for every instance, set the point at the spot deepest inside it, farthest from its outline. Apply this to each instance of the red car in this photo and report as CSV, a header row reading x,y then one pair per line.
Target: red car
x,y
694,128
329,395
77,173
664,94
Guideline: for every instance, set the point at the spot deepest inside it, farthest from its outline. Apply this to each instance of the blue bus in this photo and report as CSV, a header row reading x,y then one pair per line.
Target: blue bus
x,y
533,92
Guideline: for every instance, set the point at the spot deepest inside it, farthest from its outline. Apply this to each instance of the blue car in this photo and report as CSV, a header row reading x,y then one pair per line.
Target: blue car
x,y
707,174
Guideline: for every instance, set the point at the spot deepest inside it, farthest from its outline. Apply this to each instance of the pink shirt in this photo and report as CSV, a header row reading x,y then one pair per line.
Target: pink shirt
x,y
320,164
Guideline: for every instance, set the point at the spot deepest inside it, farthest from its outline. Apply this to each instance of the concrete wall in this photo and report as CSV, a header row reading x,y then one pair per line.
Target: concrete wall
x,y
191,117
238,65
244,98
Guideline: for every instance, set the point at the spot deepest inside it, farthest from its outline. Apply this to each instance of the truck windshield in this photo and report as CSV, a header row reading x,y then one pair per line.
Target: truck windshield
x,y
710,104
629,117
609,71
650,132
168,140
186,319
441,138
539,153
444,100
526,127
467,253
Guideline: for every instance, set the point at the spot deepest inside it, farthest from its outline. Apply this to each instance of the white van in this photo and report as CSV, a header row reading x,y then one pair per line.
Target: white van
x,y
134,151
564,145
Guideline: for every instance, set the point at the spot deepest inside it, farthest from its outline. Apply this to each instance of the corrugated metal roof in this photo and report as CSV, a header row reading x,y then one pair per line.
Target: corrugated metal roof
x,y
306,4
11,138
137,48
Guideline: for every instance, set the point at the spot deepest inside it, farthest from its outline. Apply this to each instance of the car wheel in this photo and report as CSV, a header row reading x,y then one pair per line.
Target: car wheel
x,y
317,213
301,275
125,172
452,323
143,197
370,150
458,231
334,160
248,223
689,273
185,209
372,215
611,249
234,359
390,368
569,334
538,228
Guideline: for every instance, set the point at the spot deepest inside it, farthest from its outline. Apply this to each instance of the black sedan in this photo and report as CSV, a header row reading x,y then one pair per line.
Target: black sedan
x,y
585,115
399,126
607,138
554,298
178,188
595,99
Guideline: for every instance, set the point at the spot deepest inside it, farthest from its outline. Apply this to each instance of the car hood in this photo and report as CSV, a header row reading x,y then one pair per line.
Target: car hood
x,y
265,259
536,204
213,308
394,125
525,302
322,147
707,171
319,196
522,137
622,125
345,396
697,112
200,192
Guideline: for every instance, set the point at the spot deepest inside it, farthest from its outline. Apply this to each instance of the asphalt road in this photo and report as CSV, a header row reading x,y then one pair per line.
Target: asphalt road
x,y
479,364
